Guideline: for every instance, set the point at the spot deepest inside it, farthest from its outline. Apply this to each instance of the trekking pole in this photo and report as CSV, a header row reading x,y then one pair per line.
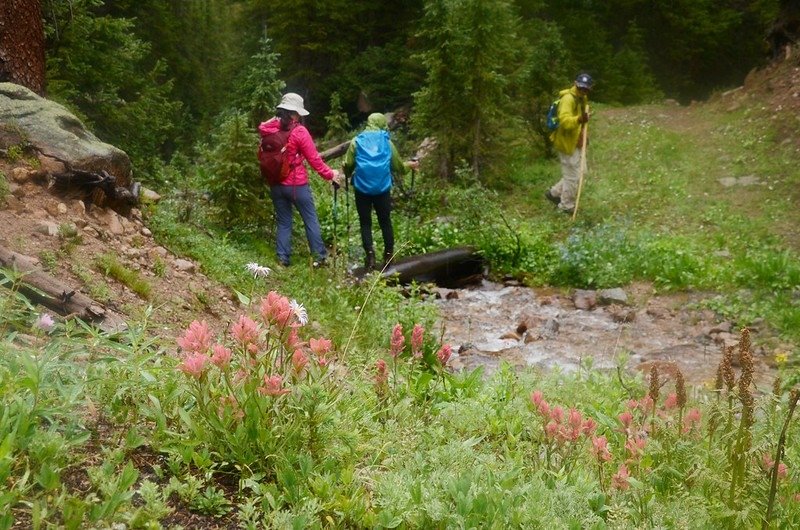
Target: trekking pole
x,y
582,169
347,213
335,232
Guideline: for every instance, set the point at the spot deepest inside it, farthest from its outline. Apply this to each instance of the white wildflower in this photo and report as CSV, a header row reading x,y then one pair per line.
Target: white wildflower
x,y
299,311
258,271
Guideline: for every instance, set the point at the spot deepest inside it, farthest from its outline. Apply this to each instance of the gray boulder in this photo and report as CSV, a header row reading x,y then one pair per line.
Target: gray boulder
x,y
57,133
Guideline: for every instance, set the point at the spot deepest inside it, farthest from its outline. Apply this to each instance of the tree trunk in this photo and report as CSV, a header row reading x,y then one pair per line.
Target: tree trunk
x,y
22,44
43,289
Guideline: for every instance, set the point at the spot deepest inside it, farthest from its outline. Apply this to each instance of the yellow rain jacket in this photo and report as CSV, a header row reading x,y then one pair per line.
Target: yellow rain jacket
x,y
570,108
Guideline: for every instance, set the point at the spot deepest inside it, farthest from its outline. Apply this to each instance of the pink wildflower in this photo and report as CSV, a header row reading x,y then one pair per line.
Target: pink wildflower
x,y
44,322
273,386
635,447
575,419
557,414
671,402
536,397
646,404
600,449
589,426
632,404
322,361
381,375
282,318
620,479
767,463
272,305
299,360
398,341
691,420
551,430
197,338
221,355
544,409
244,331
320,346
444,354
416,340
194,365
292,339
626,418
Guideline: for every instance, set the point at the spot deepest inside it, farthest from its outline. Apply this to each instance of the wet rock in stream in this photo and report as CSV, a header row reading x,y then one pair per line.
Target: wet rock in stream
x,y
548,329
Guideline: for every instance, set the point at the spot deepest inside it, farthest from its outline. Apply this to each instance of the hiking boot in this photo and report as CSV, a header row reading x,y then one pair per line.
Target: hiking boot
x,y
569,211
387,257
369,261
552,198
283,262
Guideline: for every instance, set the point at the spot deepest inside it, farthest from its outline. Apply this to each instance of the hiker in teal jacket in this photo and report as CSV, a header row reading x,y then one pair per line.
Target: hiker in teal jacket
x,y
372,161
571,117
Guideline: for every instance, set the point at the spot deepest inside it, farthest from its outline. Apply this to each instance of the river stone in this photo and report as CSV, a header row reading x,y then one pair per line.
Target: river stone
x,y
612,296
47,228
585,300
56,132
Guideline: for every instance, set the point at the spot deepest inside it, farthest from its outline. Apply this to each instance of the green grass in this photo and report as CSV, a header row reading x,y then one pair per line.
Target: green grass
x,y
111,266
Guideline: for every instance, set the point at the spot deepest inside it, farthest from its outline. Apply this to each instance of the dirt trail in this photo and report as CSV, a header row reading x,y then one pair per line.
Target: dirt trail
x,y
482,324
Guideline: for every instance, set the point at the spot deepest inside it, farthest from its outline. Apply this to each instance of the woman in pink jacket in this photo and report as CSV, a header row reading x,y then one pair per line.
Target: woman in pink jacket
x,y
294,189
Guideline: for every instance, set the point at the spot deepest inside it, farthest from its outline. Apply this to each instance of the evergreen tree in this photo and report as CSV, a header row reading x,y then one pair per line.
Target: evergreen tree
x,y
259,88
96,65
471,60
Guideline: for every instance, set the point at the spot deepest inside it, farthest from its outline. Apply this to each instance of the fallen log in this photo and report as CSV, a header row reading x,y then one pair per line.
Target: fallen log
x,y
41,288
451,268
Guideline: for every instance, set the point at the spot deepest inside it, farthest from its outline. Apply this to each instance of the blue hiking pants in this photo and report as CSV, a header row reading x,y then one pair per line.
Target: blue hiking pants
x,y
283,198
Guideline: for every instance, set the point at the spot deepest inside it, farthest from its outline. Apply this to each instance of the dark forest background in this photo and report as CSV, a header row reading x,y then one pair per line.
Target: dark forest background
x,y
160,78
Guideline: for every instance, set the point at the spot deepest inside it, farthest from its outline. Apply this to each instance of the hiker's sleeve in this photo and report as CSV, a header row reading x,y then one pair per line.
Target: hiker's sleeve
x,y
349,163
310,153
399,168
567,119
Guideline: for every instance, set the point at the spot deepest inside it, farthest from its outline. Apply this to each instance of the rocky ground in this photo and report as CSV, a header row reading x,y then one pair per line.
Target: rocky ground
x,y
69,240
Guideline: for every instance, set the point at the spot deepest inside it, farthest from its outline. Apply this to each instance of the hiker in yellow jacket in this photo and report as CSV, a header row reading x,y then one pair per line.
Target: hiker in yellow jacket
x,y
566,139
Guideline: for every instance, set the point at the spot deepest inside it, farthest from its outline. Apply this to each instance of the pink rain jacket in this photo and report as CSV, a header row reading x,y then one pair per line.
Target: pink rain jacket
x,y
299,147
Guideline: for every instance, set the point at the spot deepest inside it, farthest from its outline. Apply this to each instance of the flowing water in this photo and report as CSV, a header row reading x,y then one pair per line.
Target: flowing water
x,y
522,326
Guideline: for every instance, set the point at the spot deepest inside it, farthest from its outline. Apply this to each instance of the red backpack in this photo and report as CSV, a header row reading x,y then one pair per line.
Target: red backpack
x,y
274,166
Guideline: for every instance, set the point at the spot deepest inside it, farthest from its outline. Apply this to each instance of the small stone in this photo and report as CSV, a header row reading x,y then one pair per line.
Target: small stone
x,y
78,207
612,296
146,232
184,265
62,208
15,204
90,231
585,300
147,195
161,251
21,175
47,228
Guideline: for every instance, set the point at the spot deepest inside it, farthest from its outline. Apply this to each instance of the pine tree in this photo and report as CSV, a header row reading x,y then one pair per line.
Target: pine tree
x,y
471,60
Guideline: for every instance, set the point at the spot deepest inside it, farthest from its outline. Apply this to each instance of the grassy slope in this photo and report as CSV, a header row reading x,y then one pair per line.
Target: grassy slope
x,y
659,167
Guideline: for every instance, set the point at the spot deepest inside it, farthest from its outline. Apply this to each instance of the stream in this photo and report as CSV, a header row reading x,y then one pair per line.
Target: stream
x,y
493,323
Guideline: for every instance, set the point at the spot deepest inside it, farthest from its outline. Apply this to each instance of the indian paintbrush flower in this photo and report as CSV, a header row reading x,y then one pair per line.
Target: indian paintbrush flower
x,y
273,386
194,364
299,360
245,331
417,335
398,341
600,449
319,346
221,356
197,338
620,479
444,354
